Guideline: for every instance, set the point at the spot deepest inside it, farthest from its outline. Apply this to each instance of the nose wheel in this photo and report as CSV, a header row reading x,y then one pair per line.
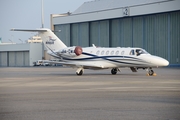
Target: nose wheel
x,y
79,71
150,72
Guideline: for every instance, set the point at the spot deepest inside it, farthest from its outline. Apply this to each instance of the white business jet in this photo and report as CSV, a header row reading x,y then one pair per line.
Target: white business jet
x,y
98,57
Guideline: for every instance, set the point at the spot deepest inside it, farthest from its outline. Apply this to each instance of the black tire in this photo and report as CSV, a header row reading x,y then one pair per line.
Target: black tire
x,y
80,73
114,71
151,72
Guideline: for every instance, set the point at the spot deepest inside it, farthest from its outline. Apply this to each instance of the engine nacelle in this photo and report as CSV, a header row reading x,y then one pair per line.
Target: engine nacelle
x,y
72,51
78,50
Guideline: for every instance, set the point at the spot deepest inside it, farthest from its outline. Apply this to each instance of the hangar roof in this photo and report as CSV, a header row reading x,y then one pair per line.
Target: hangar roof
x,y
100,5
110,9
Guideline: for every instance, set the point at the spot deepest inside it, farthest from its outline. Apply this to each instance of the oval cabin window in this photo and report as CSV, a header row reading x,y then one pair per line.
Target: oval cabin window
x,y
97,52
122,53
117,52
107,52
102,53
112,52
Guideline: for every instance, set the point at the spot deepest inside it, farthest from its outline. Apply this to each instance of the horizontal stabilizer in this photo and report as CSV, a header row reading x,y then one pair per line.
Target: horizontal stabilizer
x,y
30,30
50,40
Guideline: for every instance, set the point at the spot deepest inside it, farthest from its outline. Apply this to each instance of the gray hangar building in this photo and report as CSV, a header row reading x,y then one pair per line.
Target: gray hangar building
x,y
19,55
150,24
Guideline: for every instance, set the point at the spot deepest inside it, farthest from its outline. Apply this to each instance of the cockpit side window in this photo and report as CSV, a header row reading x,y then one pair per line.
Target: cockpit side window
x,y
140,51
131,52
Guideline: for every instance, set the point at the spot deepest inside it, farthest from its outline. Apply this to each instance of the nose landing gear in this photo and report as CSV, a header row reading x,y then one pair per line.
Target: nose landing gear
x,y
150,72
79,71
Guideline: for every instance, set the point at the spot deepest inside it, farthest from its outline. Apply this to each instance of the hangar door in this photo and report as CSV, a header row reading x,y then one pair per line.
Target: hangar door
x,y
14,59
3,59
18,58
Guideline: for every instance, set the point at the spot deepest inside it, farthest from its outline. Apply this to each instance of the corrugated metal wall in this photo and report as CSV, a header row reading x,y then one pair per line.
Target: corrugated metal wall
x,y
126,32
159,34
64,34
75,38
94,33
149,30
84,34
3,59
175,37
80,34
26,58
114,32
99,33
19,58
137,32
104,33
14,59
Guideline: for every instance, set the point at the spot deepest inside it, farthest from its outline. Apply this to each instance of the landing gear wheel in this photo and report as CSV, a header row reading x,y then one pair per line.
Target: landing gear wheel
x,y
114,71
151,72
80,73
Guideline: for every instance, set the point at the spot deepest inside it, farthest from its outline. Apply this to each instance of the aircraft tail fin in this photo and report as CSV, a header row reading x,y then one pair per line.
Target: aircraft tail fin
x,y
50,40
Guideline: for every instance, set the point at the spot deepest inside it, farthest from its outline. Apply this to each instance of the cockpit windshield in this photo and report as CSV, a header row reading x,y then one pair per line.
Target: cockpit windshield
x,y
141,51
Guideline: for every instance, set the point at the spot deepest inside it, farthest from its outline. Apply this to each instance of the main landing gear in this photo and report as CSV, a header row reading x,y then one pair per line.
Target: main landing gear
x,y
114,71
80,71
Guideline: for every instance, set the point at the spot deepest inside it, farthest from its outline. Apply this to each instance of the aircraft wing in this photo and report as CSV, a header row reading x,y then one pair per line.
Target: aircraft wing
x,y
83,64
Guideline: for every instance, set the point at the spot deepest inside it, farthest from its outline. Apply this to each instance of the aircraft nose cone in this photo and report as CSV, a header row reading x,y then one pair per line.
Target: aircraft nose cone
x,y
163,62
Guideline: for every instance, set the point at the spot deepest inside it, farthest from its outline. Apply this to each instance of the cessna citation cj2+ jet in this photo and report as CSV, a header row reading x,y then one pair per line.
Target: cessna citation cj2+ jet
x,y
98,57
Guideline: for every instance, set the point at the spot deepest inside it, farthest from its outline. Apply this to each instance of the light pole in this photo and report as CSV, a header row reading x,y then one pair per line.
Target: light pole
x,y
42,14
20,40
11,41
12,37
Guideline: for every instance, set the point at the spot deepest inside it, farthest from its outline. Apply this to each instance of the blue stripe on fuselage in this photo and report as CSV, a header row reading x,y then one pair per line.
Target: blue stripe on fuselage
x,y
93,57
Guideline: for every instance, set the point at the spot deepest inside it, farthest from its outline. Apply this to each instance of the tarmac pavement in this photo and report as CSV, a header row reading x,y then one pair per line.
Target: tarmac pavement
x,y
56,93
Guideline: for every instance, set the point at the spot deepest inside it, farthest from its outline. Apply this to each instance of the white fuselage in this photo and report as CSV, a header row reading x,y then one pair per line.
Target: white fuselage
x,y
110,57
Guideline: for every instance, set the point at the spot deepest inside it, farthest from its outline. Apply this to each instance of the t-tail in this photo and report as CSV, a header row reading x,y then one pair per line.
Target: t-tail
x,y
50,40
